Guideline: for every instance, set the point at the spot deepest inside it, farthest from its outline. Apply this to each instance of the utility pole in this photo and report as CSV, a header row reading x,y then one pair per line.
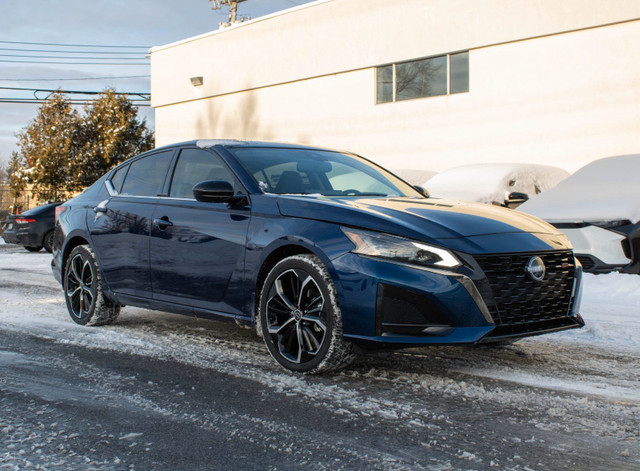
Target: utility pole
x,y
233,10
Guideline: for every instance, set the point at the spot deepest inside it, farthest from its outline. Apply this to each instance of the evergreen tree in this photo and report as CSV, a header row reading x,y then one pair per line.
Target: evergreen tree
x,y
46,146
110,133
15,175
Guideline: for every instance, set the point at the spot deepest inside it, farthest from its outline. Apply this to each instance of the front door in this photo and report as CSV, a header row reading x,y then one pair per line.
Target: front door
x,y
197,248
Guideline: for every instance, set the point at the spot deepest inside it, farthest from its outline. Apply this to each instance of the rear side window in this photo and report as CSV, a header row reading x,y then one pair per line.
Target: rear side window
x,y
118,177
146,176
195,166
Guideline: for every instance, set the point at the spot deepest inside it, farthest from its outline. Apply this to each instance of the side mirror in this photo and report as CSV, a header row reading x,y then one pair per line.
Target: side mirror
x,y
214,191
515,199
423,191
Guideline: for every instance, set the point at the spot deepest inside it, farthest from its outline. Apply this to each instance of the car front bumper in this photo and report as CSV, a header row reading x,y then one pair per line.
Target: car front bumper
x,y
599,250
394,303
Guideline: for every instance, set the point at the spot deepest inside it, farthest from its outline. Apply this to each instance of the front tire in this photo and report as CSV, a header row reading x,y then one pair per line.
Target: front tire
x,y
83,293
300,317
33,248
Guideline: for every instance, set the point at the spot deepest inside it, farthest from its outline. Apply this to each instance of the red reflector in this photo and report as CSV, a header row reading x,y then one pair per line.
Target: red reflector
x,y
59,210
24,220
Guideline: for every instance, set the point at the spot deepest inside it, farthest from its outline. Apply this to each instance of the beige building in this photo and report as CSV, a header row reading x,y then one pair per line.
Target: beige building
x,y
422,84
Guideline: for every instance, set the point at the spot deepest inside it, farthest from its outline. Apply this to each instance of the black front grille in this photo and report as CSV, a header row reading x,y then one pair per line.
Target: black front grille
x,y
518,299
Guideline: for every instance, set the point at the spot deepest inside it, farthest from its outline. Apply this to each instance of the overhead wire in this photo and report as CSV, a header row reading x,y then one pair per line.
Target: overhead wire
x,y
75,45
34,101
25,56
115,56
116,77
68,52
77,92
71,63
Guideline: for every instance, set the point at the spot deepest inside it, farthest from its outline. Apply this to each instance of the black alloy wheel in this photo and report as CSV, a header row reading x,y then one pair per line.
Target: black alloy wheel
x,y
47,241
83,294
300,317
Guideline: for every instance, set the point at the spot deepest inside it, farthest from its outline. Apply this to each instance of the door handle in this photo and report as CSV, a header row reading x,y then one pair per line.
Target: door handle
x,y
101,208
163,223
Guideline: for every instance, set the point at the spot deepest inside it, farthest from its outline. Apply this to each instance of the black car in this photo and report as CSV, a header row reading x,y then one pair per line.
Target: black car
x,y
33,228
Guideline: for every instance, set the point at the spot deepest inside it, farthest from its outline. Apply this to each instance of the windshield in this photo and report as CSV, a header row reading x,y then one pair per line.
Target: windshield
x,y
317,172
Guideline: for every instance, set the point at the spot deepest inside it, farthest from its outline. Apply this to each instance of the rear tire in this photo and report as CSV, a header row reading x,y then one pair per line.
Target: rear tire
x,y
47,241
33,248
300,317
86,302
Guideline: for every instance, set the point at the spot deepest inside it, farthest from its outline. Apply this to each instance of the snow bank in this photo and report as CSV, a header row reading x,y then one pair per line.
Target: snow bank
x,y
611,309
606,189
490,182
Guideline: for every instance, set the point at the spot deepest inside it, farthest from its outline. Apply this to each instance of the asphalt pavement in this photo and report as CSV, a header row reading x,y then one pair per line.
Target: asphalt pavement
x,y
165,392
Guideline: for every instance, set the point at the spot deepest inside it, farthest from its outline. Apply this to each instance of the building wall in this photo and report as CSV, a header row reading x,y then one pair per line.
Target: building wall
x,y
550,82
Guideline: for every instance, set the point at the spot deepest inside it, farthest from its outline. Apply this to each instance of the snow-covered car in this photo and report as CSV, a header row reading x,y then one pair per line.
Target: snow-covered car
x,y
598,208
505,184
413,175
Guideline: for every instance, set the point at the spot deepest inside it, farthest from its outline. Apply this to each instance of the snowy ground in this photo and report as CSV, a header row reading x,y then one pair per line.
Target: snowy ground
x,y
568,399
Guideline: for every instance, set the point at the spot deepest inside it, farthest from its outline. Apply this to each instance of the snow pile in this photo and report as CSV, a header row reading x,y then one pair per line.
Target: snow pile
x,y
604,190
491,182
611,309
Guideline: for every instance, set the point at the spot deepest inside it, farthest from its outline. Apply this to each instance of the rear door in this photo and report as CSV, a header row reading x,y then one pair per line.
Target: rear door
x,y
197,248
121,225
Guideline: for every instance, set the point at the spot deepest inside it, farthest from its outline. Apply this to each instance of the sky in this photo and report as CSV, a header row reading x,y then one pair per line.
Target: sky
x,y
143,23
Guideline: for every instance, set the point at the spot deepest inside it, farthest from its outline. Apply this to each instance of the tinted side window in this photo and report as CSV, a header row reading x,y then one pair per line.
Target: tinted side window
x,y
118,177
146,176
195,166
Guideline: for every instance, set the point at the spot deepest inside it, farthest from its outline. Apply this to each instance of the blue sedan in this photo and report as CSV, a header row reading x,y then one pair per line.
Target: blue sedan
x,y
324,252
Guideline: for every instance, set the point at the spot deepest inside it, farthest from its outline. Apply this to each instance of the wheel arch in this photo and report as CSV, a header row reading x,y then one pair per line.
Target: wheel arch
x,y
74,241
270,261
71,244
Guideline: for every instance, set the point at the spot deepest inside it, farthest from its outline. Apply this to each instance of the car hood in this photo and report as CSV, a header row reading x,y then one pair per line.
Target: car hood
x,y
425,219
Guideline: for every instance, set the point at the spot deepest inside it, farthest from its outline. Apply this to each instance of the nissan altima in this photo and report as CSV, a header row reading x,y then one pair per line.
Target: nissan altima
x,y
324,252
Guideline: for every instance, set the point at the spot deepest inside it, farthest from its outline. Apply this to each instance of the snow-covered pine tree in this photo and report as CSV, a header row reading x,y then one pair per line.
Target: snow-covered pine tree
x,y
46,147
110,133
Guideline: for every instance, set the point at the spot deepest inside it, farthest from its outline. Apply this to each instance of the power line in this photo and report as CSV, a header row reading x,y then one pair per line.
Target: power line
x,y
71,79
36,101
77,92
75,45
75,58
68,52
74,63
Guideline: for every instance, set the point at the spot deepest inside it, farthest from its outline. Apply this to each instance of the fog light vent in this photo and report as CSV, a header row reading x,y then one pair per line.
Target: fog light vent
x,y
404,312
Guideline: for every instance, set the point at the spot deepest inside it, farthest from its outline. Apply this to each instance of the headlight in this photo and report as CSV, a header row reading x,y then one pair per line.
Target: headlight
x,y
377,244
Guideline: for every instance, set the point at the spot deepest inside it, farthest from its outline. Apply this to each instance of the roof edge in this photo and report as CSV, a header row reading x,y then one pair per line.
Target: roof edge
x,y
238,25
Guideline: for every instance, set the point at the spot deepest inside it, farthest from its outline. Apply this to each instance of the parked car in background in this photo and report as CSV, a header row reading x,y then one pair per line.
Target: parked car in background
x,y
504,184
414,176
322,251
598,208
33,229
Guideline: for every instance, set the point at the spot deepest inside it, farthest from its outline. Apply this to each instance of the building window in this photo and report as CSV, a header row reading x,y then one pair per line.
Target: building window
x,y
459,72
385,84
433,76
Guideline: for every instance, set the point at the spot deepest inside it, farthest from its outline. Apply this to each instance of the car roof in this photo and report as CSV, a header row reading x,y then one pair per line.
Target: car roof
x,y
235,143
603,190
